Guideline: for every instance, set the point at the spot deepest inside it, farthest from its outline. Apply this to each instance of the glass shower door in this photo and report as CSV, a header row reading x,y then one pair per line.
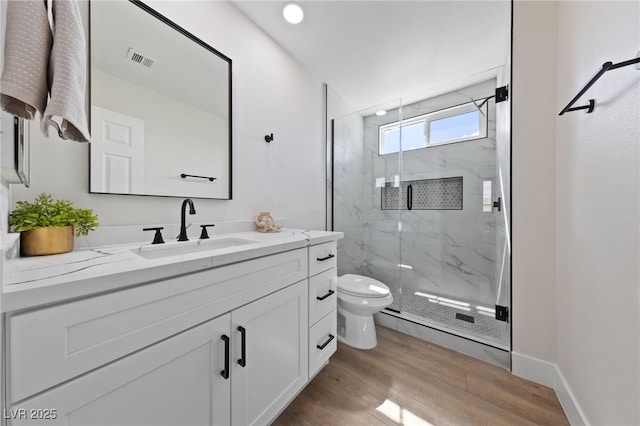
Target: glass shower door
x,y
416,204
452,264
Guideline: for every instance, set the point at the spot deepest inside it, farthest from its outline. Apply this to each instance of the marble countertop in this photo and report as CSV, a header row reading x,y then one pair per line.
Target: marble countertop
x,y
33,281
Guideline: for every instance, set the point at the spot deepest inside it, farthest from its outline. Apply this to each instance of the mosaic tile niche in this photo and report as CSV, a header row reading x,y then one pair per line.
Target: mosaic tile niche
x,y
428,194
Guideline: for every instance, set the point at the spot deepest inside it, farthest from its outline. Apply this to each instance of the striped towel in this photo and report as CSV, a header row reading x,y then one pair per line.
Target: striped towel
x,y
67,74
28,41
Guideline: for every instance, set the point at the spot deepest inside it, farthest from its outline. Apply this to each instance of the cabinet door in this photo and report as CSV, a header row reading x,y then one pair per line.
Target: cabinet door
x,y
175,382
275,363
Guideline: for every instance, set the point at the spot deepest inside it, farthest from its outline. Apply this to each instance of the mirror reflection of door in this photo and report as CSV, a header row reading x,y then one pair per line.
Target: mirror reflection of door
x,y
117,152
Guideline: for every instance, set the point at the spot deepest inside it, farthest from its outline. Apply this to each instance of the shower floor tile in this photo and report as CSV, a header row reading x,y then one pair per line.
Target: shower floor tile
x,y
440,312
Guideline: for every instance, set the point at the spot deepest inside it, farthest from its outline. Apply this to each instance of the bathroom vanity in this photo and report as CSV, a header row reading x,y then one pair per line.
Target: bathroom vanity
x,y
223,334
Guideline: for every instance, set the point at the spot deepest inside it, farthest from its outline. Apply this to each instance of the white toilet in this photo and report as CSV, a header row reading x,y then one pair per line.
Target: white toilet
x,y
360,297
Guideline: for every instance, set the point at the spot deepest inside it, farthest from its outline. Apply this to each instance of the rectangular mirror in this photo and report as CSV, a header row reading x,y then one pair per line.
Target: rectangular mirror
x,y
160,107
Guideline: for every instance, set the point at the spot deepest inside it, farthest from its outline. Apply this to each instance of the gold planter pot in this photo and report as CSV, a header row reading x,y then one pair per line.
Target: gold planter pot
x,y
44,241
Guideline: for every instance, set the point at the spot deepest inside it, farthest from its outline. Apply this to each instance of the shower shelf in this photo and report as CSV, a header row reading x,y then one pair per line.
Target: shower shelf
x,y
424,194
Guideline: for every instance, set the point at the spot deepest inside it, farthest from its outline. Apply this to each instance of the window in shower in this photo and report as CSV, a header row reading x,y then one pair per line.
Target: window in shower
x,y
456,124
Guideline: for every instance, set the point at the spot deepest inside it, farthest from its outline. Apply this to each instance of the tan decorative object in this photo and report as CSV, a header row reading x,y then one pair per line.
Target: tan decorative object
x,y
44,241
266,223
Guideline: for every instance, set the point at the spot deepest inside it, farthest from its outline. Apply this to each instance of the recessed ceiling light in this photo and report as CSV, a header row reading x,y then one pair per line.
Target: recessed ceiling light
x,y
293,13
381,112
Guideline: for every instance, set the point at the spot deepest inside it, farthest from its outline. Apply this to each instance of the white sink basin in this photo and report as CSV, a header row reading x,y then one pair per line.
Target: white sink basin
x,y
158,251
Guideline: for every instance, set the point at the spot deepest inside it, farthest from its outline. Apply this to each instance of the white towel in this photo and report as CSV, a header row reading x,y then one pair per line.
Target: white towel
x,y
23,86
67,73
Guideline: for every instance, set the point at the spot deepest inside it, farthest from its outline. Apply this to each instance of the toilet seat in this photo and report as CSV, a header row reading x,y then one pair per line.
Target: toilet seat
x,y
361,286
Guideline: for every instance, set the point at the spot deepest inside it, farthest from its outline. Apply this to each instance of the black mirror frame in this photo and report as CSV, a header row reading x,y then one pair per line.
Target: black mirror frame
x,y
200,42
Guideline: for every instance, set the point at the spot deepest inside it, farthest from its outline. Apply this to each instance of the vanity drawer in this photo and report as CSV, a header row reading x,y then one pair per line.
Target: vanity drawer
x,y
51,345
322,257
323,294
323,342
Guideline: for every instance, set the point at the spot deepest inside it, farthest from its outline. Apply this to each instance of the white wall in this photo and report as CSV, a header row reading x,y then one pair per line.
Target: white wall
x,y
576,206
533,178
272,93
598,212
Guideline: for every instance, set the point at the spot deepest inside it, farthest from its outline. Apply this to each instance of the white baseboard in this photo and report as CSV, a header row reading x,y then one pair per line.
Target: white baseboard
x,y
533,369
549,374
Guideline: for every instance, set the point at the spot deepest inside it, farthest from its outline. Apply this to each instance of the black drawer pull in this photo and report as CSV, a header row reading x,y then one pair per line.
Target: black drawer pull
x,y
225,373
324,345
331,256
243,339
326,295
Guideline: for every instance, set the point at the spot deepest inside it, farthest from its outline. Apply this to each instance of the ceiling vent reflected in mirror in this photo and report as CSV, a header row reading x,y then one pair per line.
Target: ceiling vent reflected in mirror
x,y
139,58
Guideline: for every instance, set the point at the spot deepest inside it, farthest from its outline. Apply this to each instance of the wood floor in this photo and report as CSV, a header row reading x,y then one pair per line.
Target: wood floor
x,y
408,381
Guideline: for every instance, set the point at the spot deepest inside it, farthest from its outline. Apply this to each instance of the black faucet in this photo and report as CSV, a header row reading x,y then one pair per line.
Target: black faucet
x,y
183,228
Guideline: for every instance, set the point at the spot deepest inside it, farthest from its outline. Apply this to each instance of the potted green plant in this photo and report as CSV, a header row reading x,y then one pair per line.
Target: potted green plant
x,y
47,226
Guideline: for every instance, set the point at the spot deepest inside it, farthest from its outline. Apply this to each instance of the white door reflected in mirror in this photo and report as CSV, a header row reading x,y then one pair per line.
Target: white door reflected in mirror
x,y
117,152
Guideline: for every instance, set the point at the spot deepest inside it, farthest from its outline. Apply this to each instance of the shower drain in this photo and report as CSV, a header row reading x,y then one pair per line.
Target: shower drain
x,y
463,317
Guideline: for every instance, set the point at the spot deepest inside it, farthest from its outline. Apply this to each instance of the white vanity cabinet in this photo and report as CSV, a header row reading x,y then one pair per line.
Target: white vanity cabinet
x,y
227,345
242,368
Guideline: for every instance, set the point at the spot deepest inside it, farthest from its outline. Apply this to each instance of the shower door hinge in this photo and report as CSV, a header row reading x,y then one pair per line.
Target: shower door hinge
x,y
502,94
502,313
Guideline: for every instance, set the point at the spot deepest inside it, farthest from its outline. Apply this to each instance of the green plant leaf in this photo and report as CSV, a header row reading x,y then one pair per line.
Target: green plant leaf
x,y
44,212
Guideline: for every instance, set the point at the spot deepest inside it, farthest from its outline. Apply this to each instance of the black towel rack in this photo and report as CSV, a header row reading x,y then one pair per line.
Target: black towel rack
x,y
607,66
184,176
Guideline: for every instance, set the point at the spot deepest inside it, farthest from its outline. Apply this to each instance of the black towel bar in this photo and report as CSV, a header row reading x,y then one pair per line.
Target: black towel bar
x,y
607,66
183,176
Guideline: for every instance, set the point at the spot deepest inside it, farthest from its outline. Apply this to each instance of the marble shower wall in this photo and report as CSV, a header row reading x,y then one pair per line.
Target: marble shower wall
x,y
445,252
348,202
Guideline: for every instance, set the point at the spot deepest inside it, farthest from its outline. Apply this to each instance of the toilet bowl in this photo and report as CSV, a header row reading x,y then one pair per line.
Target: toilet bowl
x,y
360,297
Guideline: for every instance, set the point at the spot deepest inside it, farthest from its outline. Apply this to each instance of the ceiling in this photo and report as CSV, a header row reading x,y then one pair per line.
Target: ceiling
x,y
371,52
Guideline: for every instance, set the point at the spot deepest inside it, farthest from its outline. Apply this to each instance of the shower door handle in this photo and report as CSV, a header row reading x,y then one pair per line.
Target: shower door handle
x,y
497,205
410,197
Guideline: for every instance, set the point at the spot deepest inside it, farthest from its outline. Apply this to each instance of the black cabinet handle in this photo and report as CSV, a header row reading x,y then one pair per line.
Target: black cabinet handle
x,y
324,345
243,348
322,259
225,373
410,197
325,296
